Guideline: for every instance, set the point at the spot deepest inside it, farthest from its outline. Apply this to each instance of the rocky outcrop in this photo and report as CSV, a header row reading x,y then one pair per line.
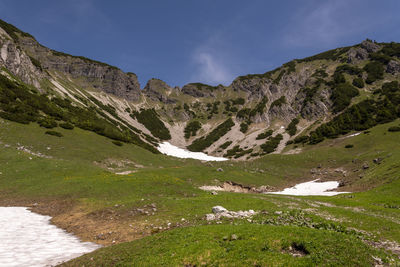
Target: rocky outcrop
x,y
356,54
90,73
201,90
393,67
158,90
370,46
18,62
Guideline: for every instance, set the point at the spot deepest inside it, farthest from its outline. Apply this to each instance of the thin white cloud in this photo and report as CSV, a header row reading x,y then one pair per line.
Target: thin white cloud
x,y
209,69
324,23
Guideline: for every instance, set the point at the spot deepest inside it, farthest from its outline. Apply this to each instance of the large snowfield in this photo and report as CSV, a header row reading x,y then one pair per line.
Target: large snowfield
x,y
28,239
171,150
312,188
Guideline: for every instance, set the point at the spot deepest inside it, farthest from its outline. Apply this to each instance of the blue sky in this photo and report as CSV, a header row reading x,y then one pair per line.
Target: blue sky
x,y
210,41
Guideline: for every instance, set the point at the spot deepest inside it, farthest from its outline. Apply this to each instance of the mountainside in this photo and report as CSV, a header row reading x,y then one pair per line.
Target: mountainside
x,y
266,112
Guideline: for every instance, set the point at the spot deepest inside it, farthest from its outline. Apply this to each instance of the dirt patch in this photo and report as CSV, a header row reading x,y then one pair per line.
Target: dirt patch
x,y
296,249
230,186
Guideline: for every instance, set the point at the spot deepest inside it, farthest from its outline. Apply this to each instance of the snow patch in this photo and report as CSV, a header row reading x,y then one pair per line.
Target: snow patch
x,y
28,239
312,188
171,150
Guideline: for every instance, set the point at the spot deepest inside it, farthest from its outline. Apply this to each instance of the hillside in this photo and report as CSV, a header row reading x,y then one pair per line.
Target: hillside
x,y
79,142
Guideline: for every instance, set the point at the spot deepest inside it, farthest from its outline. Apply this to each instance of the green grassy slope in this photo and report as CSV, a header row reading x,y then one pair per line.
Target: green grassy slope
x,y
83,166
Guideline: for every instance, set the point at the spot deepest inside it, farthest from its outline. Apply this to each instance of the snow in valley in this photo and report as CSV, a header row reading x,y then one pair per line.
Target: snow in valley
x,y
28,239
312,188
171,150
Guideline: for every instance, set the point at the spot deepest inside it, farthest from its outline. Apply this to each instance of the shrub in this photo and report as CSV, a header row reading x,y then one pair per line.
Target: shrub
x,y
47,123
66,125
375,71
272,144
394,129
192,128
244,127
117,143
54,133
225,145
342,95
264,135
292,129
358,82
349,146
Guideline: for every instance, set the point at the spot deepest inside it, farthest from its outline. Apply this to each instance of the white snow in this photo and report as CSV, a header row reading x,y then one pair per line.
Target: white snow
x,y
28,239
171,150
312,188
351,135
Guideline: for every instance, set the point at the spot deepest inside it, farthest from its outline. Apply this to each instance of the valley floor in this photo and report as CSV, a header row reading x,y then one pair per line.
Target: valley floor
x,y
156,213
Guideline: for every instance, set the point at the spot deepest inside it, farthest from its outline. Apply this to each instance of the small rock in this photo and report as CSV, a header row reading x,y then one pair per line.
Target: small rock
x,y
278,212
234,237
365,166
219,209
214,193
220,170
210,217
378,160
225,238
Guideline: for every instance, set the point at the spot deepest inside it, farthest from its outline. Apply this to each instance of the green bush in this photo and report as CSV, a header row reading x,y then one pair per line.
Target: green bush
x,y
264,135
394,129
66,125
54,133
341,96
192,128
271,145
117,143
375,71
225,145
202,143
349,146
244,127
358,82
292,129
47,123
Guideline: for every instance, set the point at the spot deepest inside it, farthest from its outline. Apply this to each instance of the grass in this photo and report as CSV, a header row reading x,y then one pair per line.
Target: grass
x,y
84,174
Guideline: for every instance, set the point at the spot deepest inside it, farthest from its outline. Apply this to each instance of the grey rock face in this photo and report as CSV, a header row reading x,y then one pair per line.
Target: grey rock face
x,y
370,46
356,54
393,67
158,90
17,62
200,90
99,75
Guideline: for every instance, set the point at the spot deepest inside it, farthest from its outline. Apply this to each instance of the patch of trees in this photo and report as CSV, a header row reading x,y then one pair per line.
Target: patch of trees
x,y
19,104
374,70
244,127
149,118
264,135
271,145
225,145
292,127
361,116
237,152
333,54
203,142
192,128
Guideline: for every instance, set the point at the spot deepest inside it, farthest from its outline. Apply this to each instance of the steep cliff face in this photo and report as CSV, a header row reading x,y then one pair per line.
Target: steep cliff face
x,y
158,90
107,78
17,62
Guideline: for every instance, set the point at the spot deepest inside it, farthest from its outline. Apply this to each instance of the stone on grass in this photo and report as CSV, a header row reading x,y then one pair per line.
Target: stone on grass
x,y
218,209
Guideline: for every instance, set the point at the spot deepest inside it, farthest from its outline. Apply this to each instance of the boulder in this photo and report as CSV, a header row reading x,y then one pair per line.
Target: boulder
x,y
393,67
218,209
